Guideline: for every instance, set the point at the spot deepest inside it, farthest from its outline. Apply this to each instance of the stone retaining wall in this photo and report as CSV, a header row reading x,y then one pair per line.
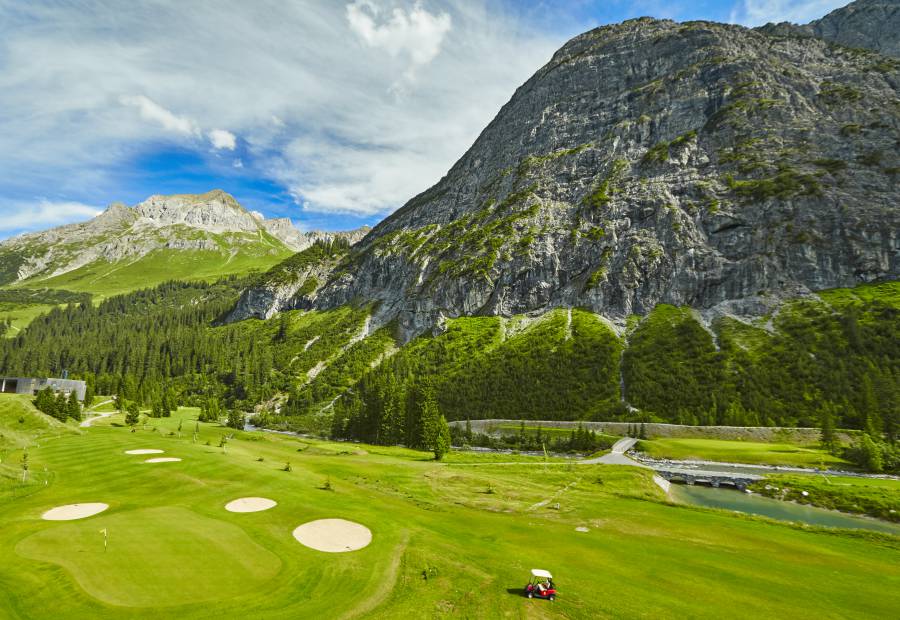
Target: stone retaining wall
x,y
654,430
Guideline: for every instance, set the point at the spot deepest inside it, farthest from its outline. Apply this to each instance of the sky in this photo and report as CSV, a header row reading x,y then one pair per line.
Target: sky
x,y
333,113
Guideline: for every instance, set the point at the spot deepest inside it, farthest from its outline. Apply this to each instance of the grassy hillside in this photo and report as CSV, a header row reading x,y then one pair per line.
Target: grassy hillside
x,y
23,427
102,279
442,546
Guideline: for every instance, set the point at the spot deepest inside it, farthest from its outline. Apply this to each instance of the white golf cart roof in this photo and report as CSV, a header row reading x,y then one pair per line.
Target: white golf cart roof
x,y
537,572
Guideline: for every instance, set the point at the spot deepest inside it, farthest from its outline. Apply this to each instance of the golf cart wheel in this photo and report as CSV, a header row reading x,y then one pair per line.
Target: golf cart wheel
x,y
530,595
552,597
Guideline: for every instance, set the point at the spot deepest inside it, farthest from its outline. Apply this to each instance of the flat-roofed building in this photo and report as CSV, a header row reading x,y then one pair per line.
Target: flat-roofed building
x,y
32,385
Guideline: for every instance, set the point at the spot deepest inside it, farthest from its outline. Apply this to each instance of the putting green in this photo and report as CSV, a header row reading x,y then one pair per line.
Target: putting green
x,y
144,546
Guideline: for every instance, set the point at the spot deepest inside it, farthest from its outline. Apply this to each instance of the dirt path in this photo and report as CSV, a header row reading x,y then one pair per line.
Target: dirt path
x,y
87,422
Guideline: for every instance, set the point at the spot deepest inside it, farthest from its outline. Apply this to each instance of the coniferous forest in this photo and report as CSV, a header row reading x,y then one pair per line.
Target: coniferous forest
x,y
818,362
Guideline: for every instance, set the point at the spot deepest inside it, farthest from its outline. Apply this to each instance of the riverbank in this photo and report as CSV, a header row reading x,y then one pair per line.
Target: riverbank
x,y
780,510
875,497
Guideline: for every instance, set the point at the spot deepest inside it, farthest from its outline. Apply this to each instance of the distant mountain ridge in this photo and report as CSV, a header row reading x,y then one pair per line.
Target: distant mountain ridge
x,y
866,24
213,223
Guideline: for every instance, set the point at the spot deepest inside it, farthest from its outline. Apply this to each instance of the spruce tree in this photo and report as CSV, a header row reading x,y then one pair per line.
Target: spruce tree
x,y
61,407
827,435
73,407
132,414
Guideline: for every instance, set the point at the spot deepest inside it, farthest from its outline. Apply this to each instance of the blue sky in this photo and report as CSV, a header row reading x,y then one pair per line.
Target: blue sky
x,y
332,113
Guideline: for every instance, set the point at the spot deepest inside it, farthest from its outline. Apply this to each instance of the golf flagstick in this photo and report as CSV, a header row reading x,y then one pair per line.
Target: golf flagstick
x,y
105,538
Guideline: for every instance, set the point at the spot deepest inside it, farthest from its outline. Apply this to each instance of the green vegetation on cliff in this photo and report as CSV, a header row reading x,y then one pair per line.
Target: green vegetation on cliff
x,y
832,360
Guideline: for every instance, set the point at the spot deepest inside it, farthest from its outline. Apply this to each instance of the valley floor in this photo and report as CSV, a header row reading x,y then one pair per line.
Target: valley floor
x,y
448,539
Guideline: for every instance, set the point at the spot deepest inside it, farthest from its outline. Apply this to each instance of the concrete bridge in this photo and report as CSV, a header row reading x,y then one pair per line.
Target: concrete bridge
x,y
711,478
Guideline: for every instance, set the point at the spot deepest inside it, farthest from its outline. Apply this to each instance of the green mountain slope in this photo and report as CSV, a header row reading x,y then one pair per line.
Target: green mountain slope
x,y
328,371
181,237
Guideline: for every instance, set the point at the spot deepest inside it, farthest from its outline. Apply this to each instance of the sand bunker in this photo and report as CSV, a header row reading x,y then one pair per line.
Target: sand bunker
x,y
250,504
71,512
333,535
165,459
144,451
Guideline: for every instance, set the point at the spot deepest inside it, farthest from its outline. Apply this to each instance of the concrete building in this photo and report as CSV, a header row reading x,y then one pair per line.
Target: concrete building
x,y
31,385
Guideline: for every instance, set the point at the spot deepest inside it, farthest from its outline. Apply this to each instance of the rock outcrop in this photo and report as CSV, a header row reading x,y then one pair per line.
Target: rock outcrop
x,y
865,24
651,162
213,221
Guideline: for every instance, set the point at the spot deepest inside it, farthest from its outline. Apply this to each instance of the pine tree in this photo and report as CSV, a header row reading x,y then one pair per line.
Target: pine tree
x,y
435,430
73,407
132,414
61,407
827,435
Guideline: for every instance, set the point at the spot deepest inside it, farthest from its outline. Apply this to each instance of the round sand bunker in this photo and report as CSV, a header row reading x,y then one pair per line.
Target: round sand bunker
x,y
164,459
71,512
144,451
333,535
250,504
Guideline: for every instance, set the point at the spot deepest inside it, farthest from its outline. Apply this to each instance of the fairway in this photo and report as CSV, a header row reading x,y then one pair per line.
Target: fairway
x,y
447,539
750,452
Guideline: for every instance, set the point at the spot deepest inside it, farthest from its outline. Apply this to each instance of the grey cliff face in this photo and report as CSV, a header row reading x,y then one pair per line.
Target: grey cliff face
x,y
652,162
866,24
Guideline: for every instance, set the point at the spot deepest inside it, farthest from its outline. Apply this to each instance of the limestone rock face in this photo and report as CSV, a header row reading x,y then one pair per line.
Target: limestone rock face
x,y
213,221
652,162
866,24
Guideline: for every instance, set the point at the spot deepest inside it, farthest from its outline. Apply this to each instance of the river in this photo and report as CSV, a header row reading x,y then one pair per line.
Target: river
x,y
776,509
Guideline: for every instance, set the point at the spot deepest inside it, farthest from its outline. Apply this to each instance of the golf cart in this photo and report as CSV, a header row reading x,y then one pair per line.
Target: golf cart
x,y
541,585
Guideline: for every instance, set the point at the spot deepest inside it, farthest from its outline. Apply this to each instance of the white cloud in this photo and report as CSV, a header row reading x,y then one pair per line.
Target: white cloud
x,y
237,163
415,32
222,139
152,111
306,90
45,214
759,12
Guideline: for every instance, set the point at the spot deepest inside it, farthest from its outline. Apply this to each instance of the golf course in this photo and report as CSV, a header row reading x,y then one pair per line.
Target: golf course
x,y
409,537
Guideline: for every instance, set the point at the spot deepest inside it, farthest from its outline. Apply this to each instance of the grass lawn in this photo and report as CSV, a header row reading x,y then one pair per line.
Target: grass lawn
x,y
754,453
449,539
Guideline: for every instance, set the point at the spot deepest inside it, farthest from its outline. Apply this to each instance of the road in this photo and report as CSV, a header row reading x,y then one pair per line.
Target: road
x,y
616,456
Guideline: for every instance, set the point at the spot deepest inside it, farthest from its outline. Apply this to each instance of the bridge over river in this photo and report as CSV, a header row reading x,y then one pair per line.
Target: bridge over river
x,y
672,473
712,478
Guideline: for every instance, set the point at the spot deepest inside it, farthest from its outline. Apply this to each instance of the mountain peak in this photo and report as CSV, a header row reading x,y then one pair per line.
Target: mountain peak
x,y
215,211
864,24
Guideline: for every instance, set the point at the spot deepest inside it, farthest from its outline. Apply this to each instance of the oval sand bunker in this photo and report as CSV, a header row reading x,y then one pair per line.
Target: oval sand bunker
x,y
165,459
333,535
144,451
71,512
250,504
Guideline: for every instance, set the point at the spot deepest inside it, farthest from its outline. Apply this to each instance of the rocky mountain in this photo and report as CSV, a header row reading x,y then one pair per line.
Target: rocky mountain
x,y
865,24
213,224
651,162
